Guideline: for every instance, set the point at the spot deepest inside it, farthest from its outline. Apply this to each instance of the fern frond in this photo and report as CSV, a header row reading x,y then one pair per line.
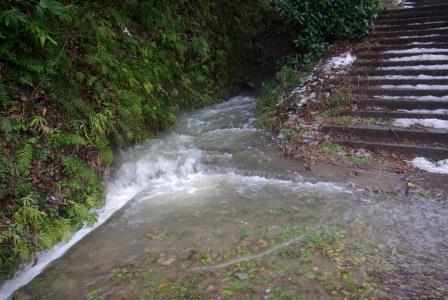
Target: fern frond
x,y
24,159
107,155
3,165
4,97
28,214
59,140
55,231
78,168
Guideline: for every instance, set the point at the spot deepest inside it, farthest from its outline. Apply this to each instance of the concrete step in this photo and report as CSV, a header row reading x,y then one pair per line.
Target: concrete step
x,y
415,48
407,32
423,3
417,20
415,26
408,149
417,12
402,92
403,72
394,115
379,56
362,81
400,41
401,103
385,63
398,133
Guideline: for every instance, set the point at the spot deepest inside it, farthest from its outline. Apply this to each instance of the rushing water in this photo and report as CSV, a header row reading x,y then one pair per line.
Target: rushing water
x,y
215,176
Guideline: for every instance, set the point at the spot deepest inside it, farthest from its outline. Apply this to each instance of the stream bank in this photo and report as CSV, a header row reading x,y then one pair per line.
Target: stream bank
x,y
220,213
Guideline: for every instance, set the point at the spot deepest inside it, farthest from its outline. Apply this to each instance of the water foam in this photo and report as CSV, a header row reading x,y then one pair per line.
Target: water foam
x,y
131,178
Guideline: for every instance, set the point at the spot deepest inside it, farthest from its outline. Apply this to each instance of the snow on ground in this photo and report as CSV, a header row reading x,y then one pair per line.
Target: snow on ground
x,y
417,50
324,70
432,123
340,63
419,57
415,87
439,167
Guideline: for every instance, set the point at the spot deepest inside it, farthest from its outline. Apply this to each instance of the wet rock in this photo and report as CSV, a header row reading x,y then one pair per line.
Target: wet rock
x,y
167,262
211,288
241,276
21,295
262,243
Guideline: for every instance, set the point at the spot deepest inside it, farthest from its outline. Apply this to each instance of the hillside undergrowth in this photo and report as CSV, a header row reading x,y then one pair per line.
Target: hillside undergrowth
x,y
79,80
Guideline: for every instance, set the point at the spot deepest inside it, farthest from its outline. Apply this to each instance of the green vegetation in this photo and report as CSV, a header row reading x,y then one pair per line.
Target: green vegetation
x,y
272,92
339,151
319,23
332,261
339,101
81,79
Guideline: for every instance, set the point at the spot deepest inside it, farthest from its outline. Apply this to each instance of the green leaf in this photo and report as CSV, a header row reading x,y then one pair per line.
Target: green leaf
x,y
13,17
52,6
4,97
25,158
41,32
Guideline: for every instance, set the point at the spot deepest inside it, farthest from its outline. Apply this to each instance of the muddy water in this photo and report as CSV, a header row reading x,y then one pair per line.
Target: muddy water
x,y
213,211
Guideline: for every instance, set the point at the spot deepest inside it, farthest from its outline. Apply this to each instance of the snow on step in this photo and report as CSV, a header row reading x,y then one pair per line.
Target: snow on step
x,y
426,57
418,98
426,23
440,111
416,36
417,50
439,167
422,76
414,87
419,67
430,123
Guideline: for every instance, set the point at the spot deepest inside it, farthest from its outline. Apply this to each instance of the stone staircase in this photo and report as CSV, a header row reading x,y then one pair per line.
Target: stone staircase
x,y
401,73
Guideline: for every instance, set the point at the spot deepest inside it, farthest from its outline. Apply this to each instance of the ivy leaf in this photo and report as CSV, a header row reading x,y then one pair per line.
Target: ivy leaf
x,y
13,17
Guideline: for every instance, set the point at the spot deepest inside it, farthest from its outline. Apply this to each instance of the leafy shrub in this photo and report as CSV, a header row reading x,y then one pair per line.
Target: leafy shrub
x,y
319,22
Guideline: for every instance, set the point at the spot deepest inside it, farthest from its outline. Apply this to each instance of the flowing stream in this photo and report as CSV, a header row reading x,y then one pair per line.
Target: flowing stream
x,y
215,184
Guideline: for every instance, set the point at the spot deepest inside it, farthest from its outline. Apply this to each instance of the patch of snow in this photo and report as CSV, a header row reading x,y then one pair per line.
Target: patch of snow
x,y
419,57
426,23
425,111
340,62
417,50
439,167
421,76
432,123
415,87
419,98
126,31
419,67
422,43
324,70
418,36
